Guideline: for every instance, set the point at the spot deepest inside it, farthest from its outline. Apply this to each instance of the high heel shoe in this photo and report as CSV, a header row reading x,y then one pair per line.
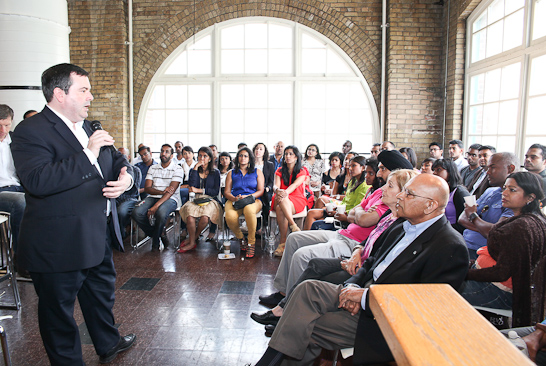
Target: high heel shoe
x,y
250,251
280,250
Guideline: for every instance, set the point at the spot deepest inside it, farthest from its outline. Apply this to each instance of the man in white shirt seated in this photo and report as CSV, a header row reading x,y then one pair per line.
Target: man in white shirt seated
x,y
12,197
456,153
162,182
423,249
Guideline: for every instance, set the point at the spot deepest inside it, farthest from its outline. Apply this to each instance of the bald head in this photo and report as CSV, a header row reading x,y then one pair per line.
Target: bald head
x,y
423,198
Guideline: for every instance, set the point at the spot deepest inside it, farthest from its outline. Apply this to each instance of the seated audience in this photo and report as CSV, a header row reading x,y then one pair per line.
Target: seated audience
x,y
478,220
426,165
329,177
316,167
146,161
447,170
535,162
305,245
435,150
510,271
388,145
347,146
480,183
268,169
409,154
127,201
178,152
342,180
12,196
473,167
162,182
356,191
244,183
225,165
187,163
337,270
29,113
289,197
205,183
376,149
276,158
456,150
323,315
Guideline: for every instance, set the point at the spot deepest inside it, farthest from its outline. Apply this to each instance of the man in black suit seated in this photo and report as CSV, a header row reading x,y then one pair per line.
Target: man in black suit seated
x,y
420,247
72,177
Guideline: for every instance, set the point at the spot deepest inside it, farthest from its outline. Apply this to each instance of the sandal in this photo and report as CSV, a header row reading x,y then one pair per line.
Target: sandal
x,y
280,250
294,228
250,251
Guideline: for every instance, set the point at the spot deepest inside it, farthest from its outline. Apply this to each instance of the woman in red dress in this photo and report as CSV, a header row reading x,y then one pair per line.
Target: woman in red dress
x,y
289,197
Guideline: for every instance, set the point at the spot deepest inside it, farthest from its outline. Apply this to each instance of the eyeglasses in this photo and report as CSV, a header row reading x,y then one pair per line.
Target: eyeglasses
x,y
411,195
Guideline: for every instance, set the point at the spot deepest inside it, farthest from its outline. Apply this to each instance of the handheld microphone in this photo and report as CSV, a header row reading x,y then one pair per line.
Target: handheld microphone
x,y
96,125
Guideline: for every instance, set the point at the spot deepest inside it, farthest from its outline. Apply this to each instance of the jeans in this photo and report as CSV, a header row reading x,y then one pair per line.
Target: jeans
x,y
14,203
125,209
321,225
140,215
486,294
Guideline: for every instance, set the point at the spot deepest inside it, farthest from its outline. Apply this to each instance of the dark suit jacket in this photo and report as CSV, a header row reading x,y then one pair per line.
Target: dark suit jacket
x,y
269,181
438,255
64,224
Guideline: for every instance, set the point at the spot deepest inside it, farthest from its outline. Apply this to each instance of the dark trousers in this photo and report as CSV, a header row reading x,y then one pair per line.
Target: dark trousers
x,y
94,287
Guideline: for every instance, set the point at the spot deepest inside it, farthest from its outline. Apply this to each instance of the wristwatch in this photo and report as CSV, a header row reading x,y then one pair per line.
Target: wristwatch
x,y
472,216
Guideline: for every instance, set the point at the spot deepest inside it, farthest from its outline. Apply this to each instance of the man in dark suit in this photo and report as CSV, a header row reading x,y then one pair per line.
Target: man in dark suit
x,y
420,247
71,176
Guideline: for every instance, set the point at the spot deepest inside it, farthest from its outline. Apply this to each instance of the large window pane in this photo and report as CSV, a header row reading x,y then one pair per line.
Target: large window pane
x,y
539,25
243,89
510,77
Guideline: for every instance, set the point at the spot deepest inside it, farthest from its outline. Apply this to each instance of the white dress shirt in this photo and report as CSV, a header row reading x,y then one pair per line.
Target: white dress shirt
x,y
411,233
8,177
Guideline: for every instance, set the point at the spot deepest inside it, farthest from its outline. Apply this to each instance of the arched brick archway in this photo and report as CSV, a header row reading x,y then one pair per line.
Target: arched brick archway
x,y
320,17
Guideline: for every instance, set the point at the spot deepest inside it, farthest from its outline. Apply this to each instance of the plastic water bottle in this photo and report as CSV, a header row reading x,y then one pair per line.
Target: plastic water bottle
x,y
271,242
192,196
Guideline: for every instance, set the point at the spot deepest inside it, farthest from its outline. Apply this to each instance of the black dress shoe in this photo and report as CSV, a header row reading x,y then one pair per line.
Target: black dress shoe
x,y
269,329
265,318
124,344
273,299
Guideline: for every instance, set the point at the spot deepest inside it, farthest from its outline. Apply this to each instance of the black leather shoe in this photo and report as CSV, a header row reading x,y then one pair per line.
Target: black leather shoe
x,y
273,299
269,329
124,344
265,318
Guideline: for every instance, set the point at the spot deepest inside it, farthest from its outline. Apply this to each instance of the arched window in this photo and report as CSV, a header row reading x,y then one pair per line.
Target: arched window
x,y
258,80
505,99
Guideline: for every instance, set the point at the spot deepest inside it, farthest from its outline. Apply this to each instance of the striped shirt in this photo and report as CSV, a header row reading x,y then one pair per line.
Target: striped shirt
x,y
162,177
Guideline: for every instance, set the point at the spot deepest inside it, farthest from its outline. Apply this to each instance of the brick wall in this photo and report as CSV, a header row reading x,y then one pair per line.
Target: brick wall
x,y
416,49
98,33
414,74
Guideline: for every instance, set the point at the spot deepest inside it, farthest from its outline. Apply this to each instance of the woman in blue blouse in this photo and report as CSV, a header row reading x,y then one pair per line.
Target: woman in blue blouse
x,y
243,181
205,183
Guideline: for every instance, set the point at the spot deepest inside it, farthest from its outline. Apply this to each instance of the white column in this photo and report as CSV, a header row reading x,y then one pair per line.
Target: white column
x,y
33,37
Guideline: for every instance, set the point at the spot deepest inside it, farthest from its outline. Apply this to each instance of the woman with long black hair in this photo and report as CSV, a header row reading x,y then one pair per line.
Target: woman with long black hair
x,y
289,197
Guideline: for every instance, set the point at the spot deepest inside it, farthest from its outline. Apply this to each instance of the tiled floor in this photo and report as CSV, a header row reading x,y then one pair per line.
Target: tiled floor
x,y
186,309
